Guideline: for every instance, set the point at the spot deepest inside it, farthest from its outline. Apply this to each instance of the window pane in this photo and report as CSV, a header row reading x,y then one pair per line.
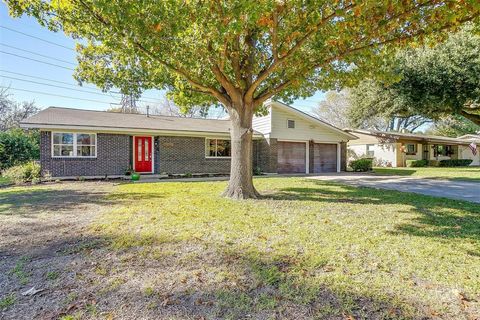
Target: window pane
x,y
85,139
57,151
139,149
212,148
67,151
85,151
67,138
223,148
146,150
57,138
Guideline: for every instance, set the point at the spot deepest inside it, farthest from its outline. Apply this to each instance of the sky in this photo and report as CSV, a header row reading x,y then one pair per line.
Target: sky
x,y
37,64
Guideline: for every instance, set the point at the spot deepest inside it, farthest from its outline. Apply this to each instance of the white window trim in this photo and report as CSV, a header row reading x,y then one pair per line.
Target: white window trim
x,y
294,123
152,141
215,157
74,145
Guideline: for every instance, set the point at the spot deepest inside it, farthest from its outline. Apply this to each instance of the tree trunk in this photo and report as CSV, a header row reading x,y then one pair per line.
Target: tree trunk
x,y
240,185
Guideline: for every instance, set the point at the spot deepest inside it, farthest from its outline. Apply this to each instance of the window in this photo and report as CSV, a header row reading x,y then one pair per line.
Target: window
x,y
74,144
370,152
291,124
411,148
443,150
218,148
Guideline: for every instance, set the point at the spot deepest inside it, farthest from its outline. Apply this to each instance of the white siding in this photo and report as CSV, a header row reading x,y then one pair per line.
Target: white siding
x,y
262,124
304,130
384,152
464,152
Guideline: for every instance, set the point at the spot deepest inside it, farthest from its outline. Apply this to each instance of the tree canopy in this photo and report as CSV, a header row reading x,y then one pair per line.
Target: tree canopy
x,y
433,82
239,53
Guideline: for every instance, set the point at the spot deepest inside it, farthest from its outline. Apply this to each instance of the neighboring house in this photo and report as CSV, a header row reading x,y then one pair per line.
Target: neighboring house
x,y
394,148
78,142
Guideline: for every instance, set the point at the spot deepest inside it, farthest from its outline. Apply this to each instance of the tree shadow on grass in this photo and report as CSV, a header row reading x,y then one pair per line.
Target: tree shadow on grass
x,y
258,285
437,217
33,200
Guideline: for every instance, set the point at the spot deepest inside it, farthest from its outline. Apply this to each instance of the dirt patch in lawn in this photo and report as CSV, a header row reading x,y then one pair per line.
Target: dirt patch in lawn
x,y
44,237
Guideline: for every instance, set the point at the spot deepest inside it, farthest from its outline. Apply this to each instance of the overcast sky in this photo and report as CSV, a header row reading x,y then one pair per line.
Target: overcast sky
x,y
37,64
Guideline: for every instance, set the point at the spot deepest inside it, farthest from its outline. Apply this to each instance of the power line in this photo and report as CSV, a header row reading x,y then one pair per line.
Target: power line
x,y
143,99
38,38
46,79
32,59
38,54
53,85
56,95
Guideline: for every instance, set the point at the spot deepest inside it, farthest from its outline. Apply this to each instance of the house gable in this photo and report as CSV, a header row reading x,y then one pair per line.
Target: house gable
x,y
286,123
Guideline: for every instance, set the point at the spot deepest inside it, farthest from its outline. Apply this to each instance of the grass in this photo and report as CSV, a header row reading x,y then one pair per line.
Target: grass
x,y
306,249
4,180
457,173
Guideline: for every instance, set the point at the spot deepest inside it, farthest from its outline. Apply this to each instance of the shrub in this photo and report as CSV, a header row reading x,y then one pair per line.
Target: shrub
x,y
416,163
455,162
257,171
18,146
27,172
362,165
433,163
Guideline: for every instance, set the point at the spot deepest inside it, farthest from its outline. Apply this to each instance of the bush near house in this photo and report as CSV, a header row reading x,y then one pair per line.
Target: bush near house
x,y
416,163
455,163
27,172
18,146
433,163
362,165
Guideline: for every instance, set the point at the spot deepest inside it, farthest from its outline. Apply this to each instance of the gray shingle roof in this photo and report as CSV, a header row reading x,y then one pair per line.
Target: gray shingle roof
x,y
410,136
67,117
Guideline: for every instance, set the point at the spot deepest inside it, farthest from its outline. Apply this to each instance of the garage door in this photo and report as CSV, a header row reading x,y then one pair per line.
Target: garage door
x,y
291,157
324,157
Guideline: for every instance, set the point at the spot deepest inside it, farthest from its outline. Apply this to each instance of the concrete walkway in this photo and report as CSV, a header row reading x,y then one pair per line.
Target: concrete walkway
x,y
453,189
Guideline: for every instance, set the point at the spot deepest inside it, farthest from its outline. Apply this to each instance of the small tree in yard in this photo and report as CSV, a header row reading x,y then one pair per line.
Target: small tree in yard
x,y
238,53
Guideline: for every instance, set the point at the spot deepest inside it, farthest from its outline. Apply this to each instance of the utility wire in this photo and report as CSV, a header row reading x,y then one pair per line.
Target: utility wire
x,y
38,38
32,59
56,95
38,54
144,99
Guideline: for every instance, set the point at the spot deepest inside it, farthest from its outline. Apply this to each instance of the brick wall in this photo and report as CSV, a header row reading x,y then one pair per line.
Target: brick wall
x,y
187,155
265,155
113,157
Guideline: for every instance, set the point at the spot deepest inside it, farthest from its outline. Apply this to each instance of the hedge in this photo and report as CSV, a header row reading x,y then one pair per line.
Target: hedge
x,y
416,163
455,163
362,165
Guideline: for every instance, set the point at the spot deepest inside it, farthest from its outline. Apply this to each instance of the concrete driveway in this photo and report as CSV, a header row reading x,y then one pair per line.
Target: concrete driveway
x,y
453,189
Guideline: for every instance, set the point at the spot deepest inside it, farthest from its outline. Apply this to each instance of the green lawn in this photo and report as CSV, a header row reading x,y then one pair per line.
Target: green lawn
x,y
308,249
4,180
460,173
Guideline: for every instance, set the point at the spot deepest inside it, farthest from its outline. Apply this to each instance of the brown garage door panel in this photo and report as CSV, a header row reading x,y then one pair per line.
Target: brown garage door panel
x,y
291,157
324,157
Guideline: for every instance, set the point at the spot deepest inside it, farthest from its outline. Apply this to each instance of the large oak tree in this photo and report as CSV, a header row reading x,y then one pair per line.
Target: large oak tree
x,y
238,53
431,81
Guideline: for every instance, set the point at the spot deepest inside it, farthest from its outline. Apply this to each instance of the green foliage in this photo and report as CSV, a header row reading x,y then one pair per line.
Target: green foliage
x,y
455,162
453,126
204,53
416,163
431,81
27,172
362,165
18,146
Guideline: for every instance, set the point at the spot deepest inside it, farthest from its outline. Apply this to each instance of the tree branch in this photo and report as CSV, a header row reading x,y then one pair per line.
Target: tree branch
x,y
269,93
277,62
205,89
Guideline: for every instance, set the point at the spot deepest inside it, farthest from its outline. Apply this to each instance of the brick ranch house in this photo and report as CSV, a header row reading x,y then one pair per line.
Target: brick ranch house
x,y
88,143
386,147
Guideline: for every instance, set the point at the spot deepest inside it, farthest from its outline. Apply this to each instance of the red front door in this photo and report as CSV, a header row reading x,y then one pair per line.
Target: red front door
x,y
143,154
